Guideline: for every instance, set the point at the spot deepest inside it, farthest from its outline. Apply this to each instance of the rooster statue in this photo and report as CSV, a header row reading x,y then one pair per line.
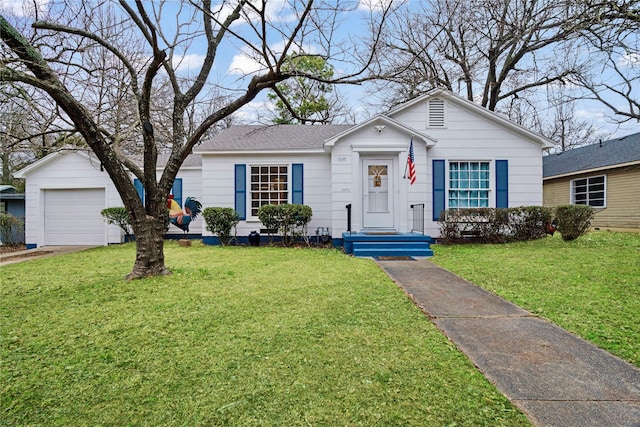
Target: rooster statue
x,y
180,219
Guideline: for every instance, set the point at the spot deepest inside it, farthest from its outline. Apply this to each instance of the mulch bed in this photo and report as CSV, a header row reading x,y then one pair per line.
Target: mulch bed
x,y
8,248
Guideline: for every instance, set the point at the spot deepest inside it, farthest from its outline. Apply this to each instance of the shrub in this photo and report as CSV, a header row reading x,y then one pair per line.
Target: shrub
x,y
268,215
8,223
473,224
528,222
494,225
220,221
120,217
290,220
573,220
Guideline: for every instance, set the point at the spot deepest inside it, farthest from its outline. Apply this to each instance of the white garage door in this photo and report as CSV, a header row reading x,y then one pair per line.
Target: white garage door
x,y
72,217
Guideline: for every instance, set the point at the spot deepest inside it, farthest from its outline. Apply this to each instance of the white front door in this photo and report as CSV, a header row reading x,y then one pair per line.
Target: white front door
x,y
377,198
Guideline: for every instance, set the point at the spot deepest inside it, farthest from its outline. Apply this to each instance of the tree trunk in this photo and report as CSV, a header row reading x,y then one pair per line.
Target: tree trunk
x,y
149,249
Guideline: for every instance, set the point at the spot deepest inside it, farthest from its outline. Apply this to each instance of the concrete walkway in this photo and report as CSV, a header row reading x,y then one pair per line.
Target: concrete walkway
x,y
554,377
38,253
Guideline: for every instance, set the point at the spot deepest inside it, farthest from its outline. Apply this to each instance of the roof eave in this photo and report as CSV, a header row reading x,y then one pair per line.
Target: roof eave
x,y
261,152
598,169
428,140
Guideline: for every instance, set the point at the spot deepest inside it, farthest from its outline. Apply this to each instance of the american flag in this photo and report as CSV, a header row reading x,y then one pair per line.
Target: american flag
x,y
411,164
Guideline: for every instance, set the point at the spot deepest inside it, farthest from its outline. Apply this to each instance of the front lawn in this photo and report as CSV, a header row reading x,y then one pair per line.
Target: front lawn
x,y
237,336
590,286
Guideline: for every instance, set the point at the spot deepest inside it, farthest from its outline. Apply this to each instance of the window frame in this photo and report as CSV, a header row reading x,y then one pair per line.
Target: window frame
x,y
574,184
250,183
489,180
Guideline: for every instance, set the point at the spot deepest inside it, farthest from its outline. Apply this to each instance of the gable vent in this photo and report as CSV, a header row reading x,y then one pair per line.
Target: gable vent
x,y
436,113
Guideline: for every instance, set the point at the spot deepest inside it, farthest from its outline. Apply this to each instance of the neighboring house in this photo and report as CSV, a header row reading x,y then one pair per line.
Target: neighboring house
x,y
66,190
12,203
605,176
464,156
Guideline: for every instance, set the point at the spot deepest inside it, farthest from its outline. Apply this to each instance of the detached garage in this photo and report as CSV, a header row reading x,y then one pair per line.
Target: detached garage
x,y
66,191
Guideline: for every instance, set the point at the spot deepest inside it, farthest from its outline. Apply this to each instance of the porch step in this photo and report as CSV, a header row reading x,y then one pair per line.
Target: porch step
x,y
371,245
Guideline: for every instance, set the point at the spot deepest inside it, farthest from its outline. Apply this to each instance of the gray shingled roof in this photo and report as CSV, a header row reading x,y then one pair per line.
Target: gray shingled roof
x,y
271,138
192,160
608,153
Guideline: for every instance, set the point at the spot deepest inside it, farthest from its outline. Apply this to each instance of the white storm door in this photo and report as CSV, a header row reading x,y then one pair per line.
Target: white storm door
x,y
377,198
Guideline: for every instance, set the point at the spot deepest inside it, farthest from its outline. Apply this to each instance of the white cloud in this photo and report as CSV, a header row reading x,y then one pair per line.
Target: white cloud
x,y
258,111
23,8
250,62
630,60
595,115
374,5
275,11
191,61
244,63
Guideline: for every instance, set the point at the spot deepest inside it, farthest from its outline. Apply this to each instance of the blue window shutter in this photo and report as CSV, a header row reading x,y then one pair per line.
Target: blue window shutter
x,y
297,183
139,188
439,187
502,183
241,191
176,190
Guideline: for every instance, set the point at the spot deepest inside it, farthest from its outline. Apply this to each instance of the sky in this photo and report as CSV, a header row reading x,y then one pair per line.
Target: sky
x,y
234,64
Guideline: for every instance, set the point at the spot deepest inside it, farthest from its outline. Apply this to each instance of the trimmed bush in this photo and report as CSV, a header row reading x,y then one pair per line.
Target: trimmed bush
x,y
220,221
573,220
120,217
269,217
494,225
528,222
290,220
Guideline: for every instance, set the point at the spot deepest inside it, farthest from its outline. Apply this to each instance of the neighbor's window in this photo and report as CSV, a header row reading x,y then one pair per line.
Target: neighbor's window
x,y
269,185
3,207
468,185
589,191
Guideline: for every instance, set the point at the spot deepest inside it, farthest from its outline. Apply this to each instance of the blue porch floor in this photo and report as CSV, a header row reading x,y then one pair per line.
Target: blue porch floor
x,y
376,244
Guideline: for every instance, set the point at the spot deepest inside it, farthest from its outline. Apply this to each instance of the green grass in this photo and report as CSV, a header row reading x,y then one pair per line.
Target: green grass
x,y
236,336
590,286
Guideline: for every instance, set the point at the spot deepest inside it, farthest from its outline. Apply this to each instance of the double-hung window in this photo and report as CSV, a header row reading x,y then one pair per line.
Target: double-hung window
x,y
589,191
269,185
469,184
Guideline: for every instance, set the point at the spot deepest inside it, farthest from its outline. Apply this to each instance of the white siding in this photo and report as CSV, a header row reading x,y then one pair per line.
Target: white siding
x,y
218,185
471,137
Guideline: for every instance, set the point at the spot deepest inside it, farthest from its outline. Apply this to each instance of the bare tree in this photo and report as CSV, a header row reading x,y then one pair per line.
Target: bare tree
x,y
52,56
564,127
488,51
29,128
613,46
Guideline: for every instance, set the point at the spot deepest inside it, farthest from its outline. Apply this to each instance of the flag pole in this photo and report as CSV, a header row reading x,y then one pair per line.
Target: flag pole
x,y
406,164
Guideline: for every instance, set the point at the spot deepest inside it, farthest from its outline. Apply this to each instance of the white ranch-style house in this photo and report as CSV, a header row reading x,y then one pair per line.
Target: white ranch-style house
x,y
463,156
